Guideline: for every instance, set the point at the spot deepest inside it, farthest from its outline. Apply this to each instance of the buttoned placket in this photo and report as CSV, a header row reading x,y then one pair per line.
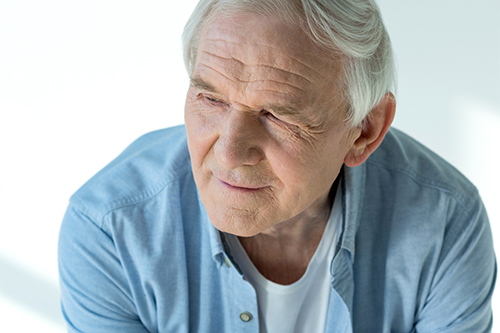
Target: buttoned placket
x,y
244,315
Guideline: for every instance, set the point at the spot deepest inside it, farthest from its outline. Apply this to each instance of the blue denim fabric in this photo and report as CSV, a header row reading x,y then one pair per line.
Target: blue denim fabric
x,y
137,252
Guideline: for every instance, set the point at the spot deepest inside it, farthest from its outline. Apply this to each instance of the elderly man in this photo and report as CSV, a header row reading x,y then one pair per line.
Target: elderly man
x,y
286,203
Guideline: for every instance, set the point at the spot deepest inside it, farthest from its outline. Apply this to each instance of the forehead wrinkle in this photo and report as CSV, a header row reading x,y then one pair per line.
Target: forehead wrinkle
x,y
200,83
281,97
249,80
271,45
269,54
283,44
218,72
289,60
276,82
249,87
242,64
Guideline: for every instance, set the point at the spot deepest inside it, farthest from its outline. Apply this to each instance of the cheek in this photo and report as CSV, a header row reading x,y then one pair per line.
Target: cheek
x,y
293,164
308,165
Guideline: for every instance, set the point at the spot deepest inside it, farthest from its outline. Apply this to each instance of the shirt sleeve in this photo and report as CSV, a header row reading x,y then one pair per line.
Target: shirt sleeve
x,y
95,293
460,296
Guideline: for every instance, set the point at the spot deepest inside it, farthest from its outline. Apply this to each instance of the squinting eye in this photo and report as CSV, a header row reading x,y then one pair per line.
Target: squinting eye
x,y
211,99
270,115
278,121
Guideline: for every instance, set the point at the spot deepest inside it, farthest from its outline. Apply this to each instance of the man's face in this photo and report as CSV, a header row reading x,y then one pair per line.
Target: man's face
x,y
264,120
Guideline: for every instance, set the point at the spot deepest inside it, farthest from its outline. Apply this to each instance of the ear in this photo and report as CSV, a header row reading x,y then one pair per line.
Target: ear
x,y
377,124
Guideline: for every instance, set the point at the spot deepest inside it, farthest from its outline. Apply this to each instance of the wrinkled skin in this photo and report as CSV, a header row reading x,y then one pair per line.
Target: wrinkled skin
x,y
264,118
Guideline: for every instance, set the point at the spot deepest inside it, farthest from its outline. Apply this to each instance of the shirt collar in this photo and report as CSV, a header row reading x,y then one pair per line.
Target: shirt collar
x,y
353,188
216,245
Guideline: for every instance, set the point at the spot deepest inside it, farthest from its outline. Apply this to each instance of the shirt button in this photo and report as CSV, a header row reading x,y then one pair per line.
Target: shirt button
x,y
245,316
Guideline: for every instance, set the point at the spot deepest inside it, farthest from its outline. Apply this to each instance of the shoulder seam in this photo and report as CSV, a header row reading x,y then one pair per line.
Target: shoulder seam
x,y
462,200
141,197
99,217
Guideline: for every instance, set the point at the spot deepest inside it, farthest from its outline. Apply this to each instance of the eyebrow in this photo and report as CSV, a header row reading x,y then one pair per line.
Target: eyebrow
x,y
289,110
204,85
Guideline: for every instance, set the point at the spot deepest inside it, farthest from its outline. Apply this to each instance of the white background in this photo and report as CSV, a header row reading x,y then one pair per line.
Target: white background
x,y
80,80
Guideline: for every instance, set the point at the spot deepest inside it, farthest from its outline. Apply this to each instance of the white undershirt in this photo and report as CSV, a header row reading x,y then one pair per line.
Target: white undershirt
x,y
302,305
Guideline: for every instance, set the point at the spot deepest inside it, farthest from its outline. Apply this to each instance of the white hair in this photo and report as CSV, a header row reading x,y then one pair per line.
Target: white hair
x,y
353,28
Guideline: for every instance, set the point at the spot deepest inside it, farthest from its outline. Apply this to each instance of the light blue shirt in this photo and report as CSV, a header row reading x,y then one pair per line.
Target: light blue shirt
x,y
137,252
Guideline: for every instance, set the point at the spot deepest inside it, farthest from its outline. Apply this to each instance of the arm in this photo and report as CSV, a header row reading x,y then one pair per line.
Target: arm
x,y
460,296
95,291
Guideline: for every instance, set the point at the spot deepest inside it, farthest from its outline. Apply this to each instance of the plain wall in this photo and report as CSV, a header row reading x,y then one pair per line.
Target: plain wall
x,y
79,81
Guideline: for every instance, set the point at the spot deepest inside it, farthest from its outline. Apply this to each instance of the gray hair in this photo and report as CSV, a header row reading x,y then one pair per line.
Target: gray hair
x,y
353,28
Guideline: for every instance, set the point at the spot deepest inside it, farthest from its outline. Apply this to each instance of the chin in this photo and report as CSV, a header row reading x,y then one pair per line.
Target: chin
x,y
241,226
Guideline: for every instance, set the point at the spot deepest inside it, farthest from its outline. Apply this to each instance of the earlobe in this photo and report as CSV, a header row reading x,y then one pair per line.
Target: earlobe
x,y
376,126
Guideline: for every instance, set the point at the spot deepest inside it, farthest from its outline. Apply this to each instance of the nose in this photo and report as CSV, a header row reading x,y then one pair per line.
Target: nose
x,y
238,142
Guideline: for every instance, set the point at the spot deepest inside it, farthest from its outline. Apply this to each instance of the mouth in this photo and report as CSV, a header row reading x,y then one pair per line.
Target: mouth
x,y
239,185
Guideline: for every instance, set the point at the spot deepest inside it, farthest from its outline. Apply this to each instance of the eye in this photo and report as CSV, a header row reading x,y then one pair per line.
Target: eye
x,y
211,99
270,115
278,122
